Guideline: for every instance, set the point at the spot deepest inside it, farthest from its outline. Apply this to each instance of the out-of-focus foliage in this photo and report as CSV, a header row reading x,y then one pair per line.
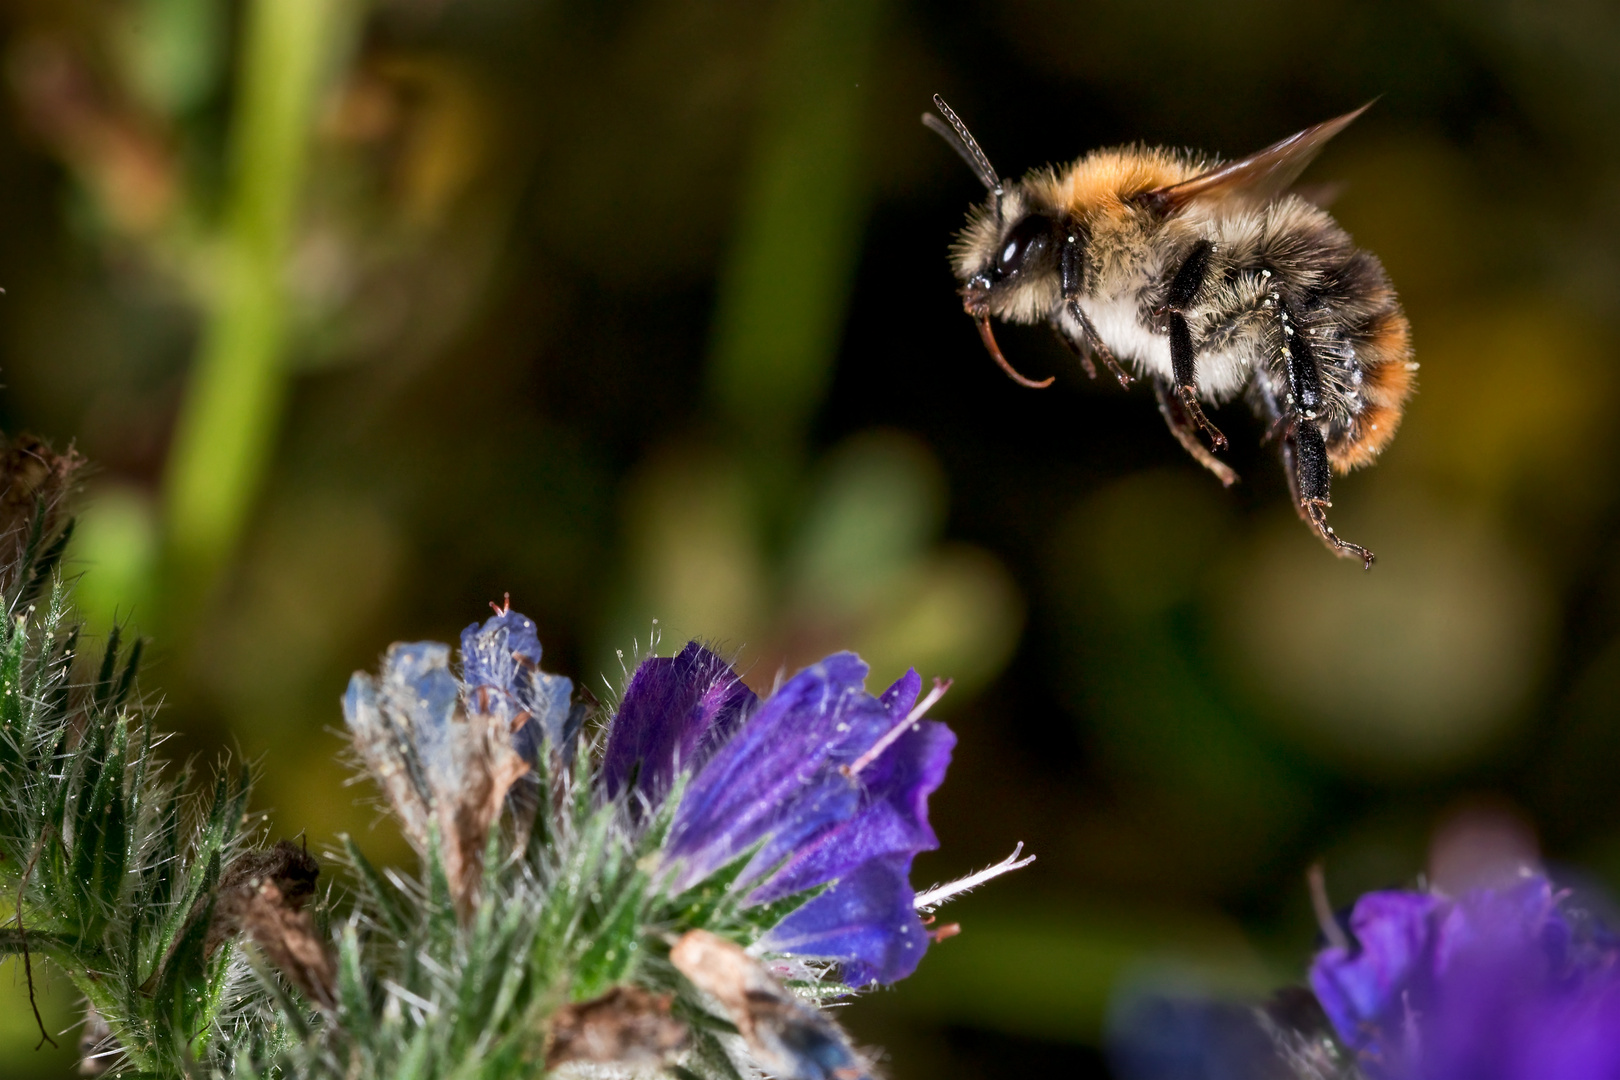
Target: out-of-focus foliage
x,y
640,311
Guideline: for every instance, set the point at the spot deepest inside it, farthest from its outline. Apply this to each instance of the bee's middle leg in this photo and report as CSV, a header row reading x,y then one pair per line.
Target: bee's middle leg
x,y
1183,369
1186,432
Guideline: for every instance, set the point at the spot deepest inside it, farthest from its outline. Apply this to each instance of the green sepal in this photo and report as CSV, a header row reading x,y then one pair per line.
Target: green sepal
x,y
38,567
354,989
184,973
656,833
612,953
380,893
111,853
756,920
290,1011
89,813
713,899
109,665
707,1050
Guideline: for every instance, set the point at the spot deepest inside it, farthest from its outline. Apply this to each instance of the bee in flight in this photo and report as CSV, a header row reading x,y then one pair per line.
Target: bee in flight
x,y
1211,281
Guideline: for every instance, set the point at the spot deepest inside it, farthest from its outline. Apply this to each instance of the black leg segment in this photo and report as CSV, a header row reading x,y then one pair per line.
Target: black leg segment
x,y
1313,476
1184,286
1072,271
1304,380
1305,458
1186,432
1189,277
1183,370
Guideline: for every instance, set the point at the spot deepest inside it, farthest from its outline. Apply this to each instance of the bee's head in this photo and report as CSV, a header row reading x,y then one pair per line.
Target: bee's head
x,y
1007,257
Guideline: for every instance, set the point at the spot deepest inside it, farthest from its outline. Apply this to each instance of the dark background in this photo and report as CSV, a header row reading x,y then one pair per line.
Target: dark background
x,y
641,311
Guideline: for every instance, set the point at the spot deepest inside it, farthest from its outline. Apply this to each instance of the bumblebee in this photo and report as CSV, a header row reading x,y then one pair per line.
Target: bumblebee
x,y
1209,280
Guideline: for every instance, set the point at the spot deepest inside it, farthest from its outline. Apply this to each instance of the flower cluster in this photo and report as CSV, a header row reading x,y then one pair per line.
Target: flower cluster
x,y
1509,983
810,803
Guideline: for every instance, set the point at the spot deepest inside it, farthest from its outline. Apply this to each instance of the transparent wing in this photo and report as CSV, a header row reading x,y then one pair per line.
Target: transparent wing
x,y
1263,175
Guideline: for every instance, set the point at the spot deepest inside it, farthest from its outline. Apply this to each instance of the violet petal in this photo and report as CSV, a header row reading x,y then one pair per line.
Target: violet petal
x,y
1361,988
865,921
778,777
676,712
892,817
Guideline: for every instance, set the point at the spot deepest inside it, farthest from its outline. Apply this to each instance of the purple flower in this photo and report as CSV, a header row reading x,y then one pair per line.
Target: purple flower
x,y
821,786
824,783
1498,984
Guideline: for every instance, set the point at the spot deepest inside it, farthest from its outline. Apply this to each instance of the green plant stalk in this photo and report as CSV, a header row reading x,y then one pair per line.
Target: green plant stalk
x,y
786,282
226,430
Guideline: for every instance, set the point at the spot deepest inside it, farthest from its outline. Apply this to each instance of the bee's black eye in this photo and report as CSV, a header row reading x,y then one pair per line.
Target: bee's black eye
x,y
1023,244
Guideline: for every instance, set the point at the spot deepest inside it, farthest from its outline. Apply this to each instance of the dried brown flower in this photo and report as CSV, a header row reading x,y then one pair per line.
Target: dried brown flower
x,y
263,894
625,1026
787,1037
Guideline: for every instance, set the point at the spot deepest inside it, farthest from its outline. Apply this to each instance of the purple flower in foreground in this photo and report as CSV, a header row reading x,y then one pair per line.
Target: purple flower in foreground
x,y
827,782
1498,984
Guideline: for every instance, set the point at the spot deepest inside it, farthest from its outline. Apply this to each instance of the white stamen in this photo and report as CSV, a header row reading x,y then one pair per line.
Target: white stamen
x,y
414,1000
899,729
951,889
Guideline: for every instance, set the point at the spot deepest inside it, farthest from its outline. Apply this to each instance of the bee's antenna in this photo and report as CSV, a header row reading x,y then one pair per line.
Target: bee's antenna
x,y
963,143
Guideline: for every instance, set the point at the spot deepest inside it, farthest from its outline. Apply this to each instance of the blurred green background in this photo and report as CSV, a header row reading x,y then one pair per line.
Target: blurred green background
x,y
368,313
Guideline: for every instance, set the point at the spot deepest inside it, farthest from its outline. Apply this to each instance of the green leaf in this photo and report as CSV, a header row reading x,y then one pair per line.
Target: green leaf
x,y
354,990
379,891
109,665
613,952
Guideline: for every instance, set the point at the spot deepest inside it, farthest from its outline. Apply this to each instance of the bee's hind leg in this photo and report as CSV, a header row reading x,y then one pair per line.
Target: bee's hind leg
x,y
1186,433
1304,455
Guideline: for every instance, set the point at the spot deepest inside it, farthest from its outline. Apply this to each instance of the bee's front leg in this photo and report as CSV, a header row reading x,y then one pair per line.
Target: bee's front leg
x,y
1079,346
1305,460
1071,269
